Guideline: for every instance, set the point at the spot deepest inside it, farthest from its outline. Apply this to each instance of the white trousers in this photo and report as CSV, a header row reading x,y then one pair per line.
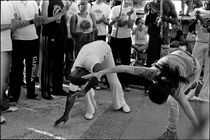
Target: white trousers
x,y
118,100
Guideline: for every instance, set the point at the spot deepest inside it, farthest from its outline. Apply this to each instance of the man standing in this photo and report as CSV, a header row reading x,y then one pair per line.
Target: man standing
x,y
25,46
55,33
122,18
101,12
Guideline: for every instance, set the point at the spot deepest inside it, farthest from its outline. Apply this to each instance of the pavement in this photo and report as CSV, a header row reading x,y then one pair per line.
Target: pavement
x,y
35,119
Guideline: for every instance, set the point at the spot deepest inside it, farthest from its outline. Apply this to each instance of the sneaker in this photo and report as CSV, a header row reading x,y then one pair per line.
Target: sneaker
x,y
23,84
31,96
125,108
98,88
127,89
11,109
146,92
88,116
200,99
60,93
190,96
3,120
168,135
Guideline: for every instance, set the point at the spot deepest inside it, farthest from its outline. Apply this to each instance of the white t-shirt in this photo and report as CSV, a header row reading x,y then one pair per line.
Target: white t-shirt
x,y
91,54
141,37
123,32
6,17
101,10
25,10
73,9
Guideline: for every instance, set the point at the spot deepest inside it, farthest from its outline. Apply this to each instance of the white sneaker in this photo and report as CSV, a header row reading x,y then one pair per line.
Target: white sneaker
x,y
190,96
200,99
88,116
2,119
126,108
11,109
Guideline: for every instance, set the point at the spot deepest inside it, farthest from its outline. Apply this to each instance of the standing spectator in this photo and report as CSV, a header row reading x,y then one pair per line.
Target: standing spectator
x,y
25,46
55,34
7,25
69,45
122,18
101,12
82,26
157,43
201,49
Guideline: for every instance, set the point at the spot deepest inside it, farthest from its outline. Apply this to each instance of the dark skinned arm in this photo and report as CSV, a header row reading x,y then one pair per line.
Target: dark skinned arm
x,y
73,95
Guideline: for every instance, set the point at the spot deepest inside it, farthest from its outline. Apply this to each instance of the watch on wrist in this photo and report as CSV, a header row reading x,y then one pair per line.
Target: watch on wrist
x,y
31,21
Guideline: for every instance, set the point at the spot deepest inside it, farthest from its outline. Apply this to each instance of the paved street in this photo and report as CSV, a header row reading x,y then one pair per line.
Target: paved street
x,y
35,119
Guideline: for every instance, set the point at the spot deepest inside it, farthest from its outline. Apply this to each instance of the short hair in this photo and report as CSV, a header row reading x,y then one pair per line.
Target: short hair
x,y
76,76
158,93
137,20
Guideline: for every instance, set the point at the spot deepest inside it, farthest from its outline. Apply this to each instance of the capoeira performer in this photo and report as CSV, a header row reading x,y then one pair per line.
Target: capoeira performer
x,y
171,76
93,57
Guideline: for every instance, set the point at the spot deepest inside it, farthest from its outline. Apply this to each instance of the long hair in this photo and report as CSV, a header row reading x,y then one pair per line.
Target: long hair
x,y
171,74
165,83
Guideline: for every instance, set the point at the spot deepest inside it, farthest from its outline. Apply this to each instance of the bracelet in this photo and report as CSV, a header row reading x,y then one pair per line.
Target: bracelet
x,y
31,21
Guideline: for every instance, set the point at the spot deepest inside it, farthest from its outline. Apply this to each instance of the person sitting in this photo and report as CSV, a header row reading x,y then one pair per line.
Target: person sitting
x,y
140,36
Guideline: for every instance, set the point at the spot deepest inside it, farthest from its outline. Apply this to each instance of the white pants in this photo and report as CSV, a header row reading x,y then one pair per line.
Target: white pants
x,y
201,53
115,86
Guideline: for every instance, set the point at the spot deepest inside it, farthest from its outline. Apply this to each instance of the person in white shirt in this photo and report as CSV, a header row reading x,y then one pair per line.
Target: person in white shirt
x,y
93,57
122,18
25,46
201,49
69,45
9,23
101,12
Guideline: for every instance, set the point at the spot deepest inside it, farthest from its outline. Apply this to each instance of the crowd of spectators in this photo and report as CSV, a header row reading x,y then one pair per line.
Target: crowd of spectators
x,y
51,30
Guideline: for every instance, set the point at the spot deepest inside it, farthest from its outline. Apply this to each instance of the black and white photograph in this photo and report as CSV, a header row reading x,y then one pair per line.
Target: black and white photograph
x,y
105,69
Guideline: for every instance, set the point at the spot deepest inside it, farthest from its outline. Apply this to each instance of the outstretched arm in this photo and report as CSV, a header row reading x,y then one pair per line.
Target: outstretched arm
x,y
187,109
145,72
71,100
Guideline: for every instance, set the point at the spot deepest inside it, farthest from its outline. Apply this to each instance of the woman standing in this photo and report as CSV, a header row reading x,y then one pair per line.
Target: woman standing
x,y
83,26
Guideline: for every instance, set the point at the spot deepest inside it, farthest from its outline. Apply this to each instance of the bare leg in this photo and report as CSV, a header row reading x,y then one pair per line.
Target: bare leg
x,y
69,104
